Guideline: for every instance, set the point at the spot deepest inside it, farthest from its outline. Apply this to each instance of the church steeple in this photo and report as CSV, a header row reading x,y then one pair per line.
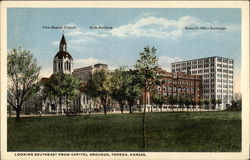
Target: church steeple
x,y
63,44
63,61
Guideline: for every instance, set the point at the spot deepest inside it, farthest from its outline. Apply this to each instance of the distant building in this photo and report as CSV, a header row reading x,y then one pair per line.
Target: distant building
x,y
217,74
84,73
177,84
63,61
84,102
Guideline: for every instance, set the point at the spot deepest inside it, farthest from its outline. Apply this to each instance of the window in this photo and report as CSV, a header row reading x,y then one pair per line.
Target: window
x,y
212,75
224,66
219,59
219,80
219,96
225,70
212,80
219,85
225,86
231,77
174,89
219,70
224,60
206,70
224,81
218,65
231,72
219,90
212,64
219,75
194,67
206,65
200,66
224,76
230,62
194,72
212,70
200,71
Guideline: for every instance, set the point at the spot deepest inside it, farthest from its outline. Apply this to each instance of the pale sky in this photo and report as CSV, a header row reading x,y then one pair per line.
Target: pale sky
x,y
132,30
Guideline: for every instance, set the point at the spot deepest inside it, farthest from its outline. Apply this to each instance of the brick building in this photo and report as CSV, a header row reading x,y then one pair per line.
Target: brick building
x,y
178,84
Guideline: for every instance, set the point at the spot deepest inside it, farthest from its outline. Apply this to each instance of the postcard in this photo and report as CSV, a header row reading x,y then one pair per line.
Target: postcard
x,y
124,80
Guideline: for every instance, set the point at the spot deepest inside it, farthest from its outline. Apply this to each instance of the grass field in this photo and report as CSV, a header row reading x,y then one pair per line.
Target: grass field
x,y
167,132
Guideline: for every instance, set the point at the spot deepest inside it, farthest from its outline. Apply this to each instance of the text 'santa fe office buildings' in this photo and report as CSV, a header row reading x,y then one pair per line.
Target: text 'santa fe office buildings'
x,y
217,75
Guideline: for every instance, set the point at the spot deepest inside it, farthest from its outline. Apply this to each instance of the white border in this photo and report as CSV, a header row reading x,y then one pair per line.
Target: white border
x,y
244,5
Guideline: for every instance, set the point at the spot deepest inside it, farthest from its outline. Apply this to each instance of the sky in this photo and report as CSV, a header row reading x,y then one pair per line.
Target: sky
x,y
176,33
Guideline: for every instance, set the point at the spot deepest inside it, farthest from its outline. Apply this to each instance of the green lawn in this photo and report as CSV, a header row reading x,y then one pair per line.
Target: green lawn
x,y
167,132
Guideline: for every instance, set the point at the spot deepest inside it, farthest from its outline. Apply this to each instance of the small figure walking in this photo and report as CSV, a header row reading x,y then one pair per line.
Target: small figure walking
x,y
40,113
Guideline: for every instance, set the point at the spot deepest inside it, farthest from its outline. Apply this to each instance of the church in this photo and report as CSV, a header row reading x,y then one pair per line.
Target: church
x,y
63,63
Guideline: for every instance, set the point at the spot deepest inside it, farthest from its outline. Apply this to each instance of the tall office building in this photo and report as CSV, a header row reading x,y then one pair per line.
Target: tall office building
x,y
217,75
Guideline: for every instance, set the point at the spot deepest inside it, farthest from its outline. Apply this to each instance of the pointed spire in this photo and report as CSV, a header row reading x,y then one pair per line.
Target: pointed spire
x,y
63,41
63,44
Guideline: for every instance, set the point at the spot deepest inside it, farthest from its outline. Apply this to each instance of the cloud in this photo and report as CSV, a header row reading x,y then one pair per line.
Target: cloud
x,y
165,62
87,62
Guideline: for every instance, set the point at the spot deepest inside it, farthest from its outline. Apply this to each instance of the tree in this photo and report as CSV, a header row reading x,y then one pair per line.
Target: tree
x,y
200,103
148,77
133,90
219,102
180,102
213,102
172,101
187,102
158,100
23,74
206,102
193,103
62,86
100,86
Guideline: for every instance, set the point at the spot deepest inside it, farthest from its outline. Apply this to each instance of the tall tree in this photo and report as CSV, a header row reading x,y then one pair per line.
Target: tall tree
x,y
100,86
147,72
23,73
119,86
62,86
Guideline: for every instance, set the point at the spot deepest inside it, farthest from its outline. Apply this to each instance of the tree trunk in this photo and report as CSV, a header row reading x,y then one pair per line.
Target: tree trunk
x,y
60,105
18,114
130,109
161,108
104,107
121,106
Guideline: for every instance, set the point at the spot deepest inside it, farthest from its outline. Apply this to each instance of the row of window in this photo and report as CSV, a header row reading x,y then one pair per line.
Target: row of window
x,y
175,94
208,85
224,86
225,81
225,71
67,65
202,62
224,91
187,83
174,89
225,97
224,66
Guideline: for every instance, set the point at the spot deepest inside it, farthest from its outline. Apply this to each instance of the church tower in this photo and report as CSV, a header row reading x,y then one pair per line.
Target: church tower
x,y
63,61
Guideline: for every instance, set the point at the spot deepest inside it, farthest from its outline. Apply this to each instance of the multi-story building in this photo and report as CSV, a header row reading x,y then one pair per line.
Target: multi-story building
x,y
84,102
84,73
217,74
177,84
